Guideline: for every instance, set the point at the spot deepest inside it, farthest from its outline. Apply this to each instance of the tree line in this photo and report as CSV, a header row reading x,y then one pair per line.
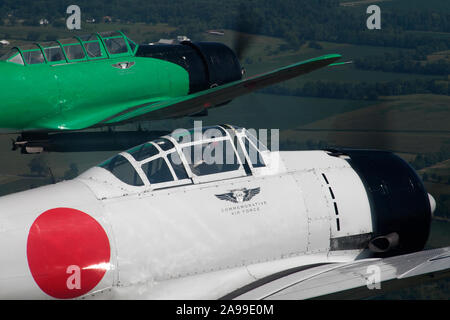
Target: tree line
x,y
293,20
362,90
405,63
425,160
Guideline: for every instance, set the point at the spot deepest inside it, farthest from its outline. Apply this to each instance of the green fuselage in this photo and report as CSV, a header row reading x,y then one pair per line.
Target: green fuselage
x,y
106,79
49,97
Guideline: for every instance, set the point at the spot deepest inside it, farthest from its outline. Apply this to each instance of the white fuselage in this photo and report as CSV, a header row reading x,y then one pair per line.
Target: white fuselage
x,y
190,241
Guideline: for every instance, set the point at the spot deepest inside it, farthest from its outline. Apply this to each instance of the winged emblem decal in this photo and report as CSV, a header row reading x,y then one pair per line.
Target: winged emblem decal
x,y
123,65
239,195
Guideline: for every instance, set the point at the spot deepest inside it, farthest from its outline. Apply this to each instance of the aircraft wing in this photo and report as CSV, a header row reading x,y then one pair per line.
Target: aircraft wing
x,y
350,280
197,102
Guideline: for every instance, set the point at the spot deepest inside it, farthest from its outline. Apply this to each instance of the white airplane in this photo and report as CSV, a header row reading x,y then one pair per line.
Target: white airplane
x,y
158,222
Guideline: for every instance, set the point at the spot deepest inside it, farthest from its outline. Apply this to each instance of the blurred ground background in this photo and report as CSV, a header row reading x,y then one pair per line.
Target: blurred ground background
x,y
395,95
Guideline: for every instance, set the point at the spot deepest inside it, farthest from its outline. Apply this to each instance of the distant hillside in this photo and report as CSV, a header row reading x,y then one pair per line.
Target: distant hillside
x,y
293,20
417,112
410,124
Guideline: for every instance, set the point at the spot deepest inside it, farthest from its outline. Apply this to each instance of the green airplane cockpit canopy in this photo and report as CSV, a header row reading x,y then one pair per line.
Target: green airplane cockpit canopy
x,y
95,46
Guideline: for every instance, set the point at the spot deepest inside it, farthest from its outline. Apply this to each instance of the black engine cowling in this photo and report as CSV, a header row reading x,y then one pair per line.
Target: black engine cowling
x,y
209,64
400,205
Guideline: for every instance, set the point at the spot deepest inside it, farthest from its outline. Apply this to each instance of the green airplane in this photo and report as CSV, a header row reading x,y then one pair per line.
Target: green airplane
x,y
106,79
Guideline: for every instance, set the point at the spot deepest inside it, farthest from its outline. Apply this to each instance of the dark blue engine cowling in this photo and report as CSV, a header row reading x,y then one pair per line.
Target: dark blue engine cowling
x,y
209,64
399,202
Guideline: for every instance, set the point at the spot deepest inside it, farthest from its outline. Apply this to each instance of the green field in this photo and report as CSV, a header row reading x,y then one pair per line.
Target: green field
x,y
283,112
408,124
440,55
439,235
439,173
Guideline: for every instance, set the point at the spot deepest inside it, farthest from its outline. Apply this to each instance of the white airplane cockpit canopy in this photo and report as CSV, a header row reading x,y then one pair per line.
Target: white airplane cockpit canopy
x,y
186,157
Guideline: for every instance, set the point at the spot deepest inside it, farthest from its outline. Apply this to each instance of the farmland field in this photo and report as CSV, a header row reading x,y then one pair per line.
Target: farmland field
x,y
265,55
410,123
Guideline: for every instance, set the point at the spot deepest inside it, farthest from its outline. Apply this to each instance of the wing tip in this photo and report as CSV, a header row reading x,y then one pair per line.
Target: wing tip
x,y
331,56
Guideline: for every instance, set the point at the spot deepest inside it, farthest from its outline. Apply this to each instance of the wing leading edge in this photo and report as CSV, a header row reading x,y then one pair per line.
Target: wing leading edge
x,y
194,103
359,279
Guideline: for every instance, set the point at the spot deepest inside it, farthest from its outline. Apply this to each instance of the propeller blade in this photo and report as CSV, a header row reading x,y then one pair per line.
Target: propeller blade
x,y
246,24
